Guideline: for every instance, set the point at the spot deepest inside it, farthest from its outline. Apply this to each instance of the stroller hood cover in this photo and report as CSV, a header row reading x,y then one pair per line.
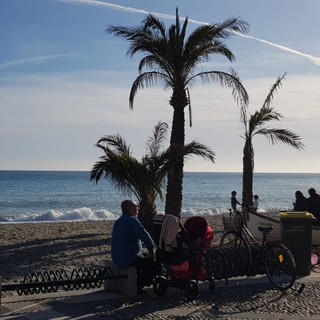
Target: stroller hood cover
x,y
198,230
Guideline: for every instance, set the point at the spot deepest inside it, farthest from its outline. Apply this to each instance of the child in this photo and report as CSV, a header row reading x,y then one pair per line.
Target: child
x,y
234,201
255,205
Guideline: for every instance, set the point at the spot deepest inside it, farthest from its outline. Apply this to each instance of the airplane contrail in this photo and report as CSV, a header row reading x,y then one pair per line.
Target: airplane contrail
x,y
31,60
313,59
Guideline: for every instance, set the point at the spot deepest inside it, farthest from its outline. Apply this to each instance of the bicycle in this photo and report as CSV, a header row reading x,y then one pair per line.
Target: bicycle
x,y
272,258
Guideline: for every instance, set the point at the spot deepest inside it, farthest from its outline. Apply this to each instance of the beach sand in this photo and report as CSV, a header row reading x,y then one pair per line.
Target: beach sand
x,y
68,245
33,247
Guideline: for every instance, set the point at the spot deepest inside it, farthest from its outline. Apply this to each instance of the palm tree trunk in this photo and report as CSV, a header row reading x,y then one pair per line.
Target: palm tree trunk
x,y
175,177
247,178
174,192
147,211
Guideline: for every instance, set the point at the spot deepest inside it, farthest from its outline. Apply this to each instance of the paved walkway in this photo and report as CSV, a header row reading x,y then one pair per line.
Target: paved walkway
x,y
242,298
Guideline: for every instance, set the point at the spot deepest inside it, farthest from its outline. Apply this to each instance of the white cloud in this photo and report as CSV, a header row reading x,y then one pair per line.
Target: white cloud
x,y
64,115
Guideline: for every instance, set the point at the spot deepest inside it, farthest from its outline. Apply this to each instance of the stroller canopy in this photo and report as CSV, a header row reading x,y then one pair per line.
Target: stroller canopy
x,y
198,231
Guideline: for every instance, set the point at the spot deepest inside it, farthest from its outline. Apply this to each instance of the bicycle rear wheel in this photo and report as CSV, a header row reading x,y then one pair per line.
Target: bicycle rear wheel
x,y
233,239
280,266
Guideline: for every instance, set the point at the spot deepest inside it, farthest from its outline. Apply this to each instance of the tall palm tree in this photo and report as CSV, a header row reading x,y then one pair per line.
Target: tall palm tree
x,y
144,178
172,60
257,124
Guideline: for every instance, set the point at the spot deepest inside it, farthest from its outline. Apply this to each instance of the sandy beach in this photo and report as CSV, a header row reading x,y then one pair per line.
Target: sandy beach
x,y
68,245
30,247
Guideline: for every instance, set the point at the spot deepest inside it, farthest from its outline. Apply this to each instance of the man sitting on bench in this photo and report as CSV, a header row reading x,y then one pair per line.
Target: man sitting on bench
x,y
126,248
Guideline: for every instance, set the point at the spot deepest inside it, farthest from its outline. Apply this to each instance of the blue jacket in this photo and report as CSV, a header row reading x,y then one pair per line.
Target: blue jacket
x,y
127,235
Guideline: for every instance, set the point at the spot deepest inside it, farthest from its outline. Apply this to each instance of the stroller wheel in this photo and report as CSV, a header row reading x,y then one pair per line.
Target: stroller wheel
x,y
191,290
212,286
160,285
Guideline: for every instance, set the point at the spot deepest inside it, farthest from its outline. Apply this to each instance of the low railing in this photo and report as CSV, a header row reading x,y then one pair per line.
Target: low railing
x,y
54,280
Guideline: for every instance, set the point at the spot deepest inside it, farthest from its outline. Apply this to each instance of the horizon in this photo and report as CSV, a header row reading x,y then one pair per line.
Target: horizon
x,y
240,172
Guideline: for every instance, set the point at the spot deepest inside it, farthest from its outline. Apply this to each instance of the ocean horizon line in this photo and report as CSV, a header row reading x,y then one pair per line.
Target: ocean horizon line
x,y
223,172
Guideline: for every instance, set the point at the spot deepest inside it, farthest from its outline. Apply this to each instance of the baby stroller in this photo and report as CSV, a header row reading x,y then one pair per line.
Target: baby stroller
x,y
181,249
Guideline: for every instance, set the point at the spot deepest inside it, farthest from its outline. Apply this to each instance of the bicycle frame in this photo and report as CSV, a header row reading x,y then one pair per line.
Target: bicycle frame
x,y
272,258
255,248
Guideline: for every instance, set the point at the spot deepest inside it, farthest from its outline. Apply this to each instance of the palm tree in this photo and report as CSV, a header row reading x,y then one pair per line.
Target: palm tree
x,y
172,60
145,178
256,124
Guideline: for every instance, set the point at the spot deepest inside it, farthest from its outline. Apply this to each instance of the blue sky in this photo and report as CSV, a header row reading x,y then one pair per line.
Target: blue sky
x,y
64,83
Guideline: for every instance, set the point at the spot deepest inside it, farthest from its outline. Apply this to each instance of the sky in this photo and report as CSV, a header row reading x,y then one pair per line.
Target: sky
x,y
64,82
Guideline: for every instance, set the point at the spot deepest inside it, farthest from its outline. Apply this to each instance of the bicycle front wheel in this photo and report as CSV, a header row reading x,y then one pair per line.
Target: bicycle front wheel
x,y
280,266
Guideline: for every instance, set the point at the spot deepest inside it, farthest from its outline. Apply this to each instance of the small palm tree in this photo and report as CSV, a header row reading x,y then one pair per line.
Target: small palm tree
x,y
144,178
256,124
173,60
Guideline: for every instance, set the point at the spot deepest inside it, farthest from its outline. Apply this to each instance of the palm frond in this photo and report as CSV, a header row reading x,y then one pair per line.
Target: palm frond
x,y
231,26
261,117
97,171
177,26
228,80
183,30
115,141
122,31
207,40
274,89
285,136
149,61
268,114
195,55
115,168
152,23
195,148
155,142
147,79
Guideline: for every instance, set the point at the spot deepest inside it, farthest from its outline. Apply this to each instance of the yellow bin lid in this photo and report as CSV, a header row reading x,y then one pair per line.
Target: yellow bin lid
x,y
296,215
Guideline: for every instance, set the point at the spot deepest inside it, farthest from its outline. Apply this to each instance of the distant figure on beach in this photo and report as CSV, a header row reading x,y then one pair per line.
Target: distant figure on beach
x,y
126,247
234,201
314,204
301,202
255,205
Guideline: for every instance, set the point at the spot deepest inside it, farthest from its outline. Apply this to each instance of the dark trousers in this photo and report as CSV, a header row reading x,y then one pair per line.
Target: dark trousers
x,y
147,270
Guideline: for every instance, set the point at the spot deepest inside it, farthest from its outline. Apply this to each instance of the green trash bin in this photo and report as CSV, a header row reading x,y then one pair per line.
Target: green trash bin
x,y
296,235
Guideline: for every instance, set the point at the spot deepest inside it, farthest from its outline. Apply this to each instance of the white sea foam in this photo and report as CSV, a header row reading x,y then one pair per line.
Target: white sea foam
x,y
80,214
85,214
202,212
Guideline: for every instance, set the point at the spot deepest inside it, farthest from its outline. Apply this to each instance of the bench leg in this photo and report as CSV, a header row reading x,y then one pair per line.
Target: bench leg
x,y
125,286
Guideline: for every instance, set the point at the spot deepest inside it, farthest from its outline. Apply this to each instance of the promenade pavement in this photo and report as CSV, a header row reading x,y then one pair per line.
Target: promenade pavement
x,y
240,299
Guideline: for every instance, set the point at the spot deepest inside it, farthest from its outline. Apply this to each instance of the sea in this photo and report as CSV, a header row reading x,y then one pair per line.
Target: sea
x,y
52,196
